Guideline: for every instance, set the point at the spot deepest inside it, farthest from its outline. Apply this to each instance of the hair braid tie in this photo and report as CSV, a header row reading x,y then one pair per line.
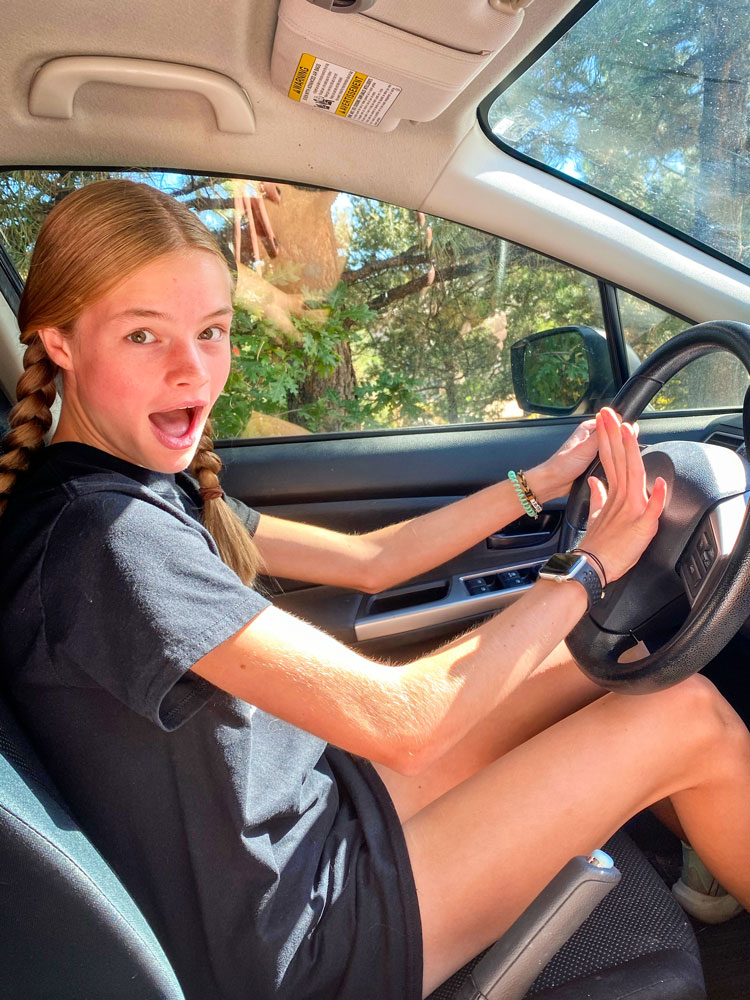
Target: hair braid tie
x,y
211,492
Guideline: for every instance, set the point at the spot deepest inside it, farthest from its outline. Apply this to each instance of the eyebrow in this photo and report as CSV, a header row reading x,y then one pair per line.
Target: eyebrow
x,y
138,313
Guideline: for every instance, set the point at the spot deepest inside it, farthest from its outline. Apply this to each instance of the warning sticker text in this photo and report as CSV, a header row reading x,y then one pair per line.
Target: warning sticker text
x,y
340,91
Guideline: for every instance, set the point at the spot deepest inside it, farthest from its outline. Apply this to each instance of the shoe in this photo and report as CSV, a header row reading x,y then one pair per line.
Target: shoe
x,y
700,895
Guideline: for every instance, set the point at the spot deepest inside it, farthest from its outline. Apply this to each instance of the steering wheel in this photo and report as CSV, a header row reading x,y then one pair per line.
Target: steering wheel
x,y
701,551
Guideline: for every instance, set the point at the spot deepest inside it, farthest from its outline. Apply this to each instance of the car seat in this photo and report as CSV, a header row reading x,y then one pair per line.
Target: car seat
x,y
71,930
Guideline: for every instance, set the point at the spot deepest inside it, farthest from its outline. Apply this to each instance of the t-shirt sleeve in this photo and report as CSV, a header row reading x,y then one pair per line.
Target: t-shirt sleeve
x,y
133,596
247,515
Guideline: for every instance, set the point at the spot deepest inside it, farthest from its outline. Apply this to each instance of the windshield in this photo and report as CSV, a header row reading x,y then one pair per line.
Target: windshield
x,y
648,103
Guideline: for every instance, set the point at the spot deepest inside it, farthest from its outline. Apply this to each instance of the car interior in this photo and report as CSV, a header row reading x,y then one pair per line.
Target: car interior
x,y
445,261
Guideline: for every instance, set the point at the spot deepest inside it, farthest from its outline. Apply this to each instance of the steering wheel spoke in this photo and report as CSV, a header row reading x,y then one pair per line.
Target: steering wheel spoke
x,y
705,557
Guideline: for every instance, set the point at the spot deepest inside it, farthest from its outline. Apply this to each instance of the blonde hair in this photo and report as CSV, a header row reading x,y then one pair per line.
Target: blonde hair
x,y
91,242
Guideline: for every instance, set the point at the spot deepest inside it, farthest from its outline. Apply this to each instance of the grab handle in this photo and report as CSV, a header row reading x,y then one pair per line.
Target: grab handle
x,y
56,83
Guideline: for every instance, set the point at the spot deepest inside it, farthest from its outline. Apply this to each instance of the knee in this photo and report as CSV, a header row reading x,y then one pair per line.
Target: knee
x,y
700,715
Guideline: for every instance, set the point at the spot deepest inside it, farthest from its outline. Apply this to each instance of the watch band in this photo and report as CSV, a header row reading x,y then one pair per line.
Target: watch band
x,y
594,559
566,566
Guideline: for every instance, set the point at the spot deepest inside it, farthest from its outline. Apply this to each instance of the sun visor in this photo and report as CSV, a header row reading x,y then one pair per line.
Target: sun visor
x,y
374,65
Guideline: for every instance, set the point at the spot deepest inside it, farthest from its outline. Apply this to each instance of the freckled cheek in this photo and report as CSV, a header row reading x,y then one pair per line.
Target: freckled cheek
x,y
112,389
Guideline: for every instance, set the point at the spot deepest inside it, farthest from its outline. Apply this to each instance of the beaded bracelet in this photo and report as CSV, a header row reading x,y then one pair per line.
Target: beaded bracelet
x,y
530,495
521,494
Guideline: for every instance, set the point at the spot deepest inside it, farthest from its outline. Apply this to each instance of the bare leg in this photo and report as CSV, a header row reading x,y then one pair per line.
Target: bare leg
x,y
482,851
556,689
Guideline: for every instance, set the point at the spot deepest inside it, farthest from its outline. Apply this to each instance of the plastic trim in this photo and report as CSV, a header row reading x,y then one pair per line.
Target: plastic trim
x,y
11,285
456,605
618,357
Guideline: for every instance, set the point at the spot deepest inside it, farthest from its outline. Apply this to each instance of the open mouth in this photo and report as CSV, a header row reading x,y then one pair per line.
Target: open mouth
x,y
177,428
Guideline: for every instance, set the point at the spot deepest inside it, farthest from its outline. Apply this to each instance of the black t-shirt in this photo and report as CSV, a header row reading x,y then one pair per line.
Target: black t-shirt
x,y
268,863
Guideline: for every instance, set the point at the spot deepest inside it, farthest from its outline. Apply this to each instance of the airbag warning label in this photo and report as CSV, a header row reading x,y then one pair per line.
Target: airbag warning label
x,y
340,91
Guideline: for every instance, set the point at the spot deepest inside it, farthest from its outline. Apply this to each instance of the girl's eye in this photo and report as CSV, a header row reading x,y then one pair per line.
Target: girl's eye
x,y
212,333
141,337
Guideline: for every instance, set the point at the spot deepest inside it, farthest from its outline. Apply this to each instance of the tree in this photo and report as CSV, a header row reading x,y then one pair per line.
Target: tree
x,y
26,199
657,116
351,313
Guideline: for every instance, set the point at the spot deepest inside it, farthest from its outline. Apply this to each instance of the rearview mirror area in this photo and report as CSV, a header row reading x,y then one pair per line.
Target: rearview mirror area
x,y
562,371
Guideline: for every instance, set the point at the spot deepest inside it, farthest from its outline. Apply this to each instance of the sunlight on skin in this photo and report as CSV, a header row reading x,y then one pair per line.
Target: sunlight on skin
x,y
156,343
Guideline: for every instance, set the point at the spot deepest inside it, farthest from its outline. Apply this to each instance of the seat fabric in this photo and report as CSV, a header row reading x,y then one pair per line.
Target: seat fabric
x,y
637,942
70,930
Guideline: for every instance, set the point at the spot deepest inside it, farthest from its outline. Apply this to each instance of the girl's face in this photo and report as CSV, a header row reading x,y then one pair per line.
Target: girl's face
x,y
143,365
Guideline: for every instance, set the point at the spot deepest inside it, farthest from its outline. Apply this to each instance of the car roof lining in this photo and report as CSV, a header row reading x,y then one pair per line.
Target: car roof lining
x,y
115,124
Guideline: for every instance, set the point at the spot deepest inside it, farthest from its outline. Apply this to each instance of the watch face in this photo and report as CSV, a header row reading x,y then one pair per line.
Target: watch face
x,y
561,562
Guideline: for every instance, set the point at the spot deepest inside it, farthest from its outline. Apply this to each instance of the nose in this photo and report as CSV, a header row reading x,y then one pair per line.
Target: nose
x,y
187,366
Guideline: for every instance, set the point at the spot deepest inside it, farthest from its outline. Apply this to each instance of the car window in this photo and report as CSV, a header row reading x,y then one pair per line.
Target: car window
x,y
712,382
646,102
350,314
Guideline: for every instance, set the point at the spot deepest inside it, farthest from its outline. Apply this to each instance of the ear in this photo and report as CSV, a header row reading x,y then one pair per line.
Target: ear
x,y
57,346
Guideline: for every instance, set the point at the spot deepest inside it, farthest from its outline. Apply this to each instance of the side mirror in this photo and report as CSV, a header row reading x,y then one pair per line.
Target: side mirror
x,y
562,371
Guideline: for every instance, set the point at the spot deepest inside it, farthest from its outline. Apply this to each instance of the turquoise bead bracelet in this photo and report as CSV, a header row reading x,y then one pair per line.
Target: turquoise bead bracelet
x,y
521,494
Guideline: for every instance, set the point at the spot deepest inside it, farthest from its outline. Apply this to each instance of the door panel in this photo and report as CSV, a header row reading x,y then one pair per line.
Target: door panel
x,y
357,483
424,606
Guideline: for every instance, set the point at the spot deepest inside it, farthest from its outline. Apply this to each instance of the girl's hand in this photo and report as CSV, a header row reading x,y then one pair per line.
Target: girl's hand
x,y
623,522
555,477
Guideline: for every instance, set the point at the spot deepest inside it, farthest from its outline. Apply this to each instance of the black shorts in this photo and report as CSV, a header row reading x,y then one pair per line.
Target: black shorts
x,y
368,943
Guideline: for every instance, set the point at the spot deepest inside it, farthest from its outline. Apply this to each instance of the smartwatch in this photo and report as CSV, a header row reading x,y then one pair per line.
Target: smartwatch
x,y
565,566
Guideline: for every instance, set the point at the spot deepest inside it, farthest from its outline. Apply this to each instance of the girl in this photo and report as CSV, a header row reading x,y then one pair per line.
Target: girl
x,y
290,815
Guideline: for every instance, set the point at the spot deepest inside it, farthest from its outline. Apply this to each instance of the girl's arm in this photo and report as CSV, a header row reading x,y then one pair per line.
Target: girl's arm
x,y
381,559
408,717
404,717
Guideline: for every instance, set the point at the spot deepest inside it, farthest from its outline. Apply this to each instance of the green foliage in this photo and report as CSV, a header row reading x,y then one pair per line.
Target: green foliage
x,y
417,331
268,367
716,380
451,338
26,199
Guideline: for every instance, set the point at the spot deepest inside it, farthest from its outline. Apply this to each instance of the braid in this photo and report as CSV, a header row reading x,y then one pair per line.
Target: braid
x,y
30,418
206,464
231,536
